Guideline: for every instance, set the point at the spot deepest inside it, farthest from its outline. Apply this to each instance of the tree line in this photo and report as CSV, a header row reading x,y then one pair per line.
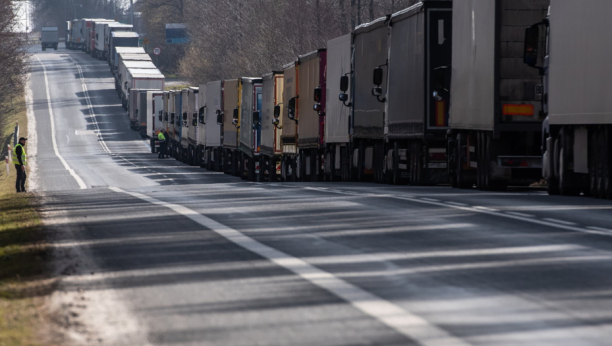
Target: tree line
x,y
231,38
13,54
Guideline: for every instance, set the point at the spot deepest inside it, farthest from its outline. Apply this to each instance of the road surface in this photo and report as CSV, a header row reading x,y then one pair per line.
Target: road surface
x,y
153,252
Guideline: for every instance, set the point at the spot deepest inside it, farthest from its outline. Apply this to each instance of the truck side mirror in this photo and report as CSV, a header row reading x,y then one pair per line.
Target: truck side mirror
x,y
343,97
235,115
256,119
317,94
172,115
194,119
277,111
184,116
344,83
125,84
377,77
291,109
219,117
166,116
532,36
160,115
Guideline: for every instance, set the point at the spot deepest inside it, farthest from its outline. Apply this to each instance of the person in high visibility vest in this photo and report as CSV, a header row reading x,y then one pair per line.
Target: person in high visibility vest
x,y
162,145
19,159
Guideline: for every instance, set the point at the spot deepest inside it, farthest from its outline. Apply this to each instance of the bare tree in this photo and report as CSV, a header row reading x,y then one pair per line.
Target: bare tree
x,y
13,53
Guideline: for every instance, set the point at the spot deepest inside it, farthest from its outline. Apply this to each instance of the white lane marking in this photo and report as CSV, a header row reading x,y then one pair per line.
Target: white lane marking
x,y
78,179
563,222
600,229
485,208
90,106
457,204
519,214
404,322
430,199
494,212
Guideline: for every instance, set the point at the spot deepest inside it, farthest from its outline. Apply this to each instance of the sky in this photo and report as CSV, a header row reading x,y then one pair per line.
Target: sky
x,y
22,8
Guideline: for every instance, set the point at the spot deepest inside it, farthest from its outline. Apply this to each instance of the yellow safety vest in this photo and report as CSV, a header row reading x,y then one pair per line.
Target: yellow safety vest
x,y
23,155
161,137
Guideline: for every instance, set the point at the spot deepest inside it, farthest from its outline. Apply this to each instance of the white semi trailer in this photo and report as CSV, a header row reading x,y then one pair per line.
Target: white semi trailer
x,y
577,132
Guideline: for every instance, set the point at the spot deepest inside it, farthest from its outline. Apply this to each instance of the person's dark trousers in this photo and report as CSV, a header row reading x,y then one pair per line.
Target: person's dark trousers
x,y
162,149
21,179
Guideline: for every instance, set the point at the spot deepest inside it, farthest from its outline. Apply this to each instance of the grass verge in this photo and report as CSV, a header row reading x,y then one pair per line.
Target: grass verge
x,y
23,252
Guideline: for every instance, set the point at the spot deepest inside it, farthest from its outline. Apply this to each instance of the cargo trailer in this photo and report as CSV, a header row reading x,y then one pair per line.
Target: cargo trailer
x,y
189,142
271,125
415,122
169,116
76,34
121,39
496,112
125,50
104,38
85,33
149,120
96,30
289,121
128,57
68,34
311,114
337,112
371,48
213,118
138,78
49,37
231,120
577,131
200,122
250,128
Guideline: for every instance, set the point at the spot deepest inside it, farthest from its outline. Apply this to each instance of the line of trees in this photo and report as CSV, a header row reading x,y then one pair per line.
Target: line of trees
x,y
13,53
231,38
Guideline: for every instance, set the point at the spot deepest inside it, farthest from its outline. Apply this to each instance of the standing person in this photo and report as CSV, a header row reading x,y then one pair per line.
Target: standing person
x,y
167,142
19,159
162,144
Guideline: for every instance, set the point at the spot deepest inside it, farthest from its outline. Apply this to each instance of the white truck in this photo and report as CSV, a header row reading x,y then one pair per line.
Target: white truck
x,y
124,50
200,122
577,132
271,125
103,36
213,118
138,78
49,37
338,112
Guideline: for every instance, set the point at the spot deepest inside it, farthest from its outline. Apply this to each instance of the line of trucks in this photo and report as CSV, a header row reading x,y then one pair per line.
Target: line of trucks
x,y
463,92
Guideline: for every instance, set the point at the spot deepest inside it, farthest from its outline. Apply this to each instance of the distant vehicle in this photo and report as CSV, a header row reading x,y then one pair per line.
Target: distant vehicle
x,y
49,37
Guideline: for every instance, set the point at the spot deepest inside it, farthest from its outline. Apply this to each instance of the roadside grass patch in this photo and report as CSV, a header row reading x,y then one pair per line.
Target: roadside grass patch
x,y
24,271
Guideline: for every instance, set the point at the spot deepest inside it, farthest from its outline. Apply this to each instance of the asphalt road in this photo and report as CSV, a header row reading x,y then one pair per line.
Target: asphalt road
x,y
159,253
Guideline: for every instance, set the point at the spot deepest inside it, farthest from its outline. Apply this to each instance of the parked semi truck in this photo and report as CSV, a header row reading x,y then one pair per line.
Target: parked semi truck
x,y
338,112
155,105
496,116
310,118
577,132
142,58
169,104
200,122
371,48
415,122
271,126
139,78
49,37
103,37
125,50
190,124
177,135
250,128
231,121
121,39
213,117
289,121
